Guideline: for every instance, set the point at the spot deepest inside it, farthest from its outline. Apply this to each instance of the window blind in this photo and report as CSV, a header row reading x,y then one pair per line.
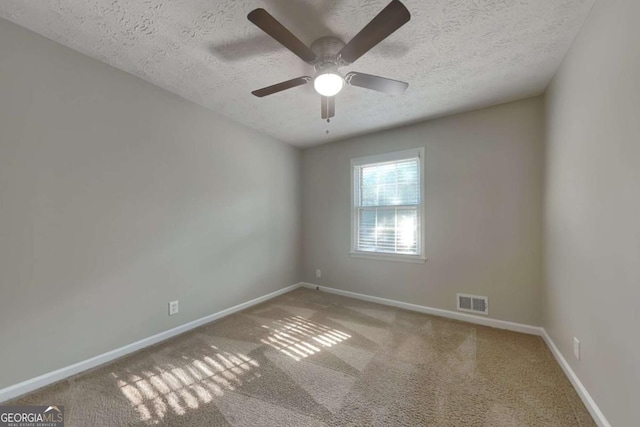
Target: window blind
x,y
387,206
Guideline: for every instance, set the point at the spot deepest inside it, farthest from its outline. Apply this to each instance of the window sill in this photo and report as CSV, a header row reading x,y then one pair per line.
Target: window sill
x,y
415,259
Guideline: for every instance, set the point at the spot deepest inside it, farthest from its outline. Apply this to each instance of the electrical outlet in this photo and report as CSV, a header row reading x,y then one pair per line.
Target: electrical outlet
x,y
576,348
318,273
173,308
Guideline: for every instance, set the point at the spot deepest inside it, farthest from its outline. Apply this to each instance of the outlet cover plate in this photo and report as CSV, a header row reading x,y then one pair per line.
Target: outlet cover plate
x,y
173,308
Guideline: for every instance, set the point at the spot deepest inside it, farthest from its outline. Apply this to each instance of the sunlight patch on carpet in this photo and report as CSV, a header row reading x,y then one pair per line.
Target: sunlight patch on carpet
x,y
188,386
299,338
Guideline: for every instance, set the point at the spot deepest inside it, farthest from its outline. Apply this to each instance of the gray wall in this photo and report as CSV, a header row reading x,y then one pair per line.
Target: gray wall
x,y
483,186
592,208
117,197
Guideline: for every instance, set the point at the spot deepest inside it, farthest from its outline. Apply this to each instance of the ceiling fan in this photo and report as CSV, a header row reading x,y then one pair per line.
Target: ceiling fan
x,y
329,54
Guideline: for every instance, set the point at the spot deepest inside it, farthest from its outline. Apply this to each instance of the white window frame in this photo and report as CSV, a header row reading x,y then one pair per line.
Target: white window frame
x,y
381,158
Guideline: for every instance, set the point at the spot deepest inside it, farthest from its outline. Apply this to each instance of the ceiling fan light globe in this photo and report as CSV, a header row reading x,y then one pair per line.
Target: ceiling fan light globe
x,y
328,84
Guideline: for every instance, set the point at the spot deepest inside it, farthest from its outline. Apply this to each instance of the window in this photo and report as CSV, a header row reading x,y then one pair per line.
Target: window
x,y
387,206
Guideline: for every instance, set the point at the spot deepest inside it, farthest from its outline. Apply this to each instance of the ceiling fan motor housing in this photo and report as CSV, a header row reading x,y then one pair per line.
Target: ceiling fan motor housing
x,y
327,48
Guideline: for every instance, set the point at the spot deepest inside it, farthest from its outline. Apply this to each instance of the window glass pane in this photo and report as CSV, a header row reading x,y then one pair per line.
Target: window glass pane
x,y
369,196
367,230
391,183
388,230
407,231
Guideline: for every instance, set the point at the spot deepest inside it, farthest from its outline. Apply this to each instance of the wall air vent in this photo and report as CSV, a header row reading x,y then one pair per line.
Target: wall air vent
x,y
473,303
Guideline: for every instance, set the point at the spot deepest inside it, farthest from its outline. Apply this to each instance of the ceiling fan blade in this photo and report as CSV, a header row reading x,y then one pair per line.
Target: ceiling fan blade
x,y
392,17
327,107
381,84
267,23
279,87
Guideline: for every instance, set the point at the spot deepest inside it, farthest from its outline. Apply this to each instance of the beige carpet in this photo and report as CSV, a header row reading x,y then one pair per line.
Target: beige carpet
x,y
309,358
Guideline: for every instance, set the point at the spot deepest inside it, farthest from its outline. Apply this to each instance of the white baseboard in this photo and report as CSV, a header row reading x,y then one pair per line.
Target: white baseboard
x,y
494,323
588,401
60,374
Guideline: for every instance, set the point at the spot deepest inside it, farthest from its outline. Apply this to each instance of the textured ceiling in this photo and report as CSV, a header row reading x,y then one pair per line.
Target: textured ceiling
x,y
456,54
